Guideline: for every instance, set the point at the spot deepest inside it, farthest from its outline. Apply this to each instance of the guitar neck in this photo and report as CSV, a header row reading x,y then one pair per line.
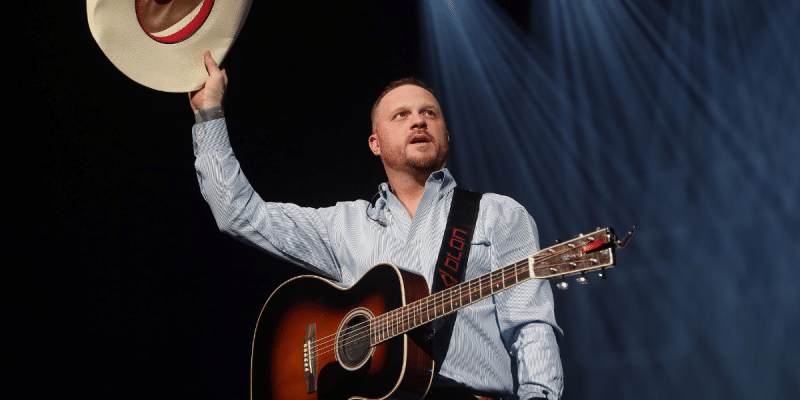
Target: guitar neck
x,y
577,256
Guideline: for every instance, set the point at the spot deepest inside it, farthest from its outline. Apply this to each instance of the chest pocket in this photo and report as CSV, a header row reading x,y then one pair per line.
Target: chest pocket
x,y
479,259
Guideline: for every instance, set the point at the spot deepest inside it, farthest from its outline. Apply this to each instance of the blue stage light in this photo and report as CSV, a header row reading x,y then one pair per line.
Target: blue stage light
x,y
677,116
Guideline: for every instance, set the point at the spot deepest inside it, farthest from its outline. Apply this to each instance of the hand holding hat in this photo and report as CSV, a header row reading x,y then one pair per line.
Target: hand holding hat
x,y
213,91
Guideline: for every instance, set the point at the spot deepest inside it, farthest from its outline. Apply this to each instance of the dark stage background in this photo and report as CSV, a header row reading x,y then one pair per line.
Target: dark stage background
x,y
676,116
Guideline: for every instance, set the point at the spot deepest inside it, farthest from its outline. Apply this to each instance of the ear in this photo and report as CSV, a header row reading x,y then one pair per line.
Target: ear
x,y
375,144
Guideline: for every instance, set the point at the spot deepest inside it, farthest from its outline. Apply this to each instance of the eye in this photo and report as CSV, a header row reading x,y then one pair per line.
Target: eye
x,y
428,112
401,114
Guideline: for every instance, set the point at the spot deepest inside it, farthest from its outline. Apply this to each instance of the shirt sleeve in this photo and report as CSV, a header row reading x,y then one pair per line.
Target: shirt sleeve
x,y
287,231
525,312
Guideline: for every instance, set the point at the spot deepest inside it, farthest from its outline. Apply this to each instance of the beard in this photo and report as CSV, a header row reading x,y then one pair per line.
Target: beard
x,y
428,164
419,163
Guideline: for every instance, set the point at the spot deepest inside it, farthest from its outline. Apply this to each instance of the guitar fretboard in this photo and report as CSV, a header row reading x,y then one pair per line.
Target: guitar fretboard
x,y
447,301
584,253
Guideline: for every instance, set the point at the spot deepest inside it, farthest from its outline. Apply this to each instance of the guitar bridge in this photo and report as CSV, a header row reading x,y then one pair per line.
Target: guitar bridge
x,y
310,358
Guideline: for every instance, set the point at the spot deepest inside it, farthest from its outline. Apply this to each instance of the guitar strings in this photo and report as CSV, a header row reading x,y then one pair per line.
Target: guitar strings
x,y
405,318
398,321
391,321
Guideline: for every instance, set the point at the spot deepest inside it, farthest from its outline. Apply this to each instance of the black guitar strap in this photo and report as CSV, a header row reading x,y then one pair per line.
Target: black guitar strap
x,y
452,263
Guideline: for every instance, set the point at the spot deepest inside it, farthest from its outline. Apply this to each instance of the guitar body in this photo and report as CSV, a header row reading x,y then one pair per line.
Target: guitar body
x,y
301,350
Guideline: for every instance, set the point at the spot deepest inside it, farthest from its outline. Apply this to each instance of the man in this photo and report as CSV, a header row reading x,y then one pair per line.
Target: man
x,y
503,345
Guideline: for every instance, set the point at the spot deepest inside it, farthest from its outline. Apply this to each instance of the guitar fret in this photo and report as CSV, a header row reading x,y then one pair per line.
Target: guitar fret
x,y
511,280
391,323
416,313
449,301
419,313
407,325
400,322
468,300
429,308
424,317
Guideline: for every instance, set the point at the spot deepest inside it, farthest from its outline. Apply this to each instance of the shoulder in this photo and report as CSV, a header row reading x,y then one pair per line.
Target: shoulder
x,y
345,207
502,215
345,211
500,205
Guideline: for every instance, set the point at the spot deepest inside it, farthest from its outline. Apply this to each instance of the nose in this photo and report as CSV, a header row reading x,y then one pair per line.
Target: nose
x,y
417,122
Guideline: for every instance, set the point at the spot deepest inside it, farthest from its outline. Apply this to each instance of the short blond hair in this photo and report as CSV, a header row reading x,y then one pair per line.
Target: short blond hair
x,y
394,85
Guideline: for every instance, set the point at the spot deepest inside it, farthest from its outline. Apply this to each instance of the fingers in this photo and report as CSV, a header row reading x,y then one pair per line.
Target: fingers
x,y
211,66
191,100
213,90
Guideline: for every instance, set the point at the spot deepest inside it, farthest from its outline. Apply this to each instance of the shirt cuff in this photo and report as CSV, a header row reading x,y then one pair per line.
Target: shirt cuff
x,y
210,136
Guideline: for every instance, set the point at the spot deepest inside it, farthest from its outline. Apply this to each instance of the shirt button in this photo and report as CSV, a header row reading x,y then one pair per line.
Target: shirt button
x,y
413,242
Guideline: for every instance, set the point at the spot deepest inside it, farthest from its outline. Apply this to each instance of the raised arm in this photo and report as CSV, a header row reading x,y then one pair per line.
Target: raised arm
x,y
289,232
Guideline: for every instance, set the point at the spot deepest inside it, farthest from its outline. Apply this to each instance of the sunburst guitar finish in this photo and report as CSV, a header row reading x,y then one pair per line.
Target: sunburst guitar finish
x,y
313,340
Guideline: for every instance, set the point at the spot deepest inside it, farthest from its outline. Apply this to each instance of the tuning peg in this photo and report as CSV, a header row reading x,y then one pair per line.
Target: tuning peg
x,y
558,241
624,241
582,279
563,285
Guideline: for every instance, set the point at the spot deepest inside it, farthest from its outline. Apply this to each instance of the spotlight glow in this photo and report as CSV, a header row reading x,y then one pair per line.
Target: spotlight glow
x,y
677,116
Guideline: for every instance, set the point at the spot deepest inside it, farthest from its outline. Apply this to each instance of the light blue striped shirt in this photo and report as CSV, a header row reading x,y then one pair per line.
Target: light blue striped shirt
x,y
509,331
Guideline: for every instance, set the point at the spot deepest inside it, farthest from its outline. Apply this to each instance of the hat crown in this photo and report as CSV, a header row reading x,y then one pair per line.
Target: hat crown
x,y
159,15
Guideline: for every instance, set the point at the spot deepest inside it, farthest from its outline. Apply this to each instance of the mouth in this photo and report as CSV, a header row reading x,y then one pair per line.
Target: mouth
x,y
419,138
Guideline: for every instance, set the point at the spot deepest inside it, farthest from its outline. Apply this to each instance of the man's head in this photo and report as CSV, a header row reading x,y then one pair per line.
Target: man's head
x,y
394,85
408,129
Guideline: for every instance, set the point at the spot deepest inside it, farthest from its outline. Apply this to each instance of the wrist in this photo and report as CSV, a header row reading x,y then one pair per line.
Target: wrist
x,y
208,114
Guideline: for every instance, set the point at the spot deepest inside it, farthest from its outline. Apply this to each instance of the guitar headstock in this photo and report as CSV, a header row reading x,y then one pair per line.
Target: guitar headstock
x,y
584,253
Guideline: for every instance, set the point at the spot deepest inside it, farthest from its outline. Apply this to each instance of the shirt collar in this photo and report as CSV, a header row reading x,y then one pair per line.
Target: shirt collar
x,y
440,181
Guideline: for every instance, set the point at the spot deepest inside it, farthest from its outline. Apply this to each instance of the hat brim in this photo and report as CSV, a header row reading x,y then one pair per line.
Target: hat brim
x,y
168,67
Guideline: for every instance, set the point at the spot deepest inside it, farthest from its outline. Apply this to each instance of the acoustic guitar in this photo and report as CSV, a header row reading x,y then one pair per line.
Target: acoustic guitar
x,y
317,340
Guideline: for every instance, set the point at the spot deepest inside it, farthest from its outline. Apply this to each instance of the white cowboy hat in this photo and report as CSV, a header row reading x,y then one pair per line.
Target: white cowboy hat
x,y
160,43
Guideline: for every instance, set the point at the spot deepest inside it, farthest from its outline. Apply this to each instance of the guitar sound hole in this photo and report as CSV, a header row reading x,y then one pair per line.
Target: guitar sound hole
x,y
353,346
